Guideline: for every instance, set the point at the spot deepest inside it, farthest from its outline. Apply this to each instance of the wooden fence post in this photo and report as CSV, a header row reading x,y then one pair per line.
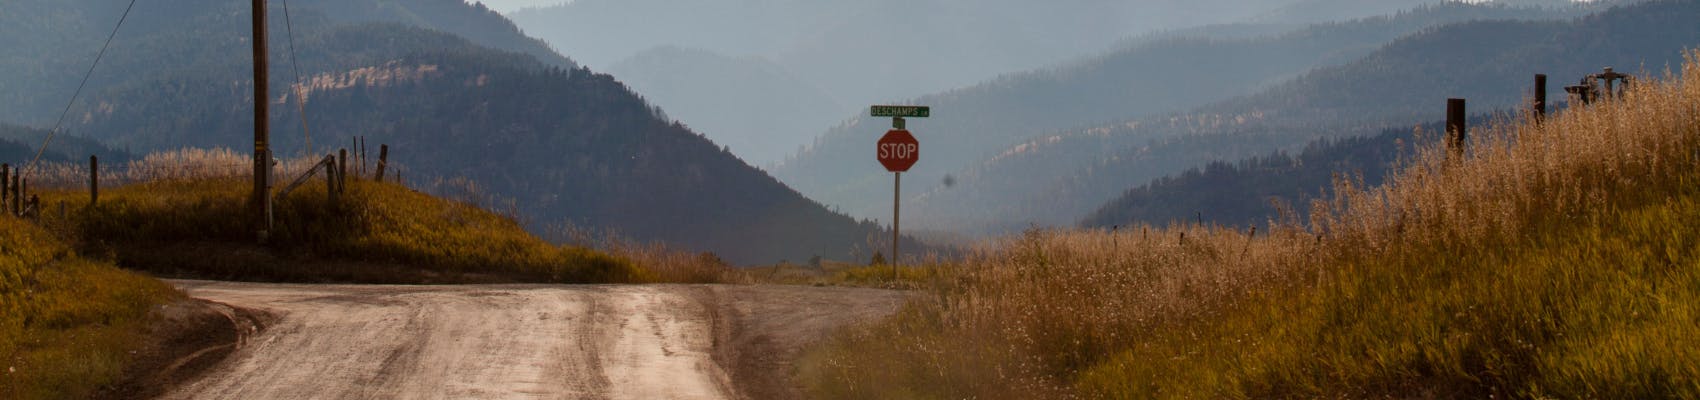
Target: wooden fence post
x,y
1540,97
359,157
332,187
341,164
94,180
383,159
1457,129
18,190
5,186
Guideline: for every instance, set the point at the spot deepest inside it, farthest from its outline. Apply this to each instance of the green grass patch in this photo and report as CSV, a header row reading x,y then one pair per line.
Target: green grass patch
x,y
66,324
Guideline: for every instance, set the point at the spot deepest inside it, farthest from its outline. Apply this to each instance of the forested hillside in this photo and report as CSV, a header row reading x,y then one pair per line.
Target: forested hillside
x,y
18,146
978,127
565,145
45,47
1257,190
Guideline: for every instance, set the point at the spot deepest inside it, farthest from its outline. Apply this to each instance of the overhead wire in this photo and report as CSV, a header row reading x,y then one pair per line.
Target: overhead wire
x,y
49,139
300,89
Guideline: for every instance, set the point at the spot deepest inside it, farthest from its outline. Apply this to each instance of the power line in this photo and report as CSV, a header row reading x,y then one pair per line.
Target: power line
x,y
79,92
295,66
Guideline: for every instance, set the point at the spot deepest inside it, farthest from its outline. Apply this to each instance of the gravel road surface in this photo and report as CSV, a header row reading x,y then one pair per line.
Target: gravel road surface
x,y
525,341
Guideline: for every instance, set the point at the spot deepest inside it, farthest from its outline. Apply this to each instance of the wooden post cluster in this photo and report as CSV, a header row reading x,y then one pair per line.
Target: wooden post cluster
x,y
1457,131
357,145
334,180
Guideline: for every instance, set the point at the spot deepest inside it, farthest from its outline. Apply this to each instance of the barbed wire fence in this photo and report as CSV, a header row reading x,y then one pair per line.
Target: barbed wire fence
x,y
181,165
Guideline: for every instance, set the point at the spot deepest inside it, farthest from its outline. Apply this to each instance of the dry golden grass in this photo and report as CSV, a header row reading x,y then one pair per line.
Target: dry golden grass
x,y
665,263
177,165
1556,259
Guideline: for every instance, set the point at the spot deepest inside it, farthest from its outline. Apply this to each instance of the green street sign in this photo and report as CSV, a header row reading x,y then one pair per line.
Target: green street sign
x,y
902,111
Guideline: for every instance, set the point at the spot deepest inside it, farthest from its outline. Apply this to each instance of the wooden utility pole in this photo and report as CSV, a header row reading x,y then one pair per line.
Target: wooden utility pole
x,y
262,131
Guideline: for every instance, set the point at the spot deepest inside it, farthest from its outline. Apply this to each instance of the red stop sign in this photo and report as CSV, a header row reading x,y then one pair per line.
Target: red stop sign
x,y
898,150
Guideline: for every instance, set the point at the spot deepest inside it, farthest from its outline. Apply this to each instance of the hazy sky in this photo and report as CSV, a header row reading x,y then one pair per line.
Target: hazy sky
x,y
508,6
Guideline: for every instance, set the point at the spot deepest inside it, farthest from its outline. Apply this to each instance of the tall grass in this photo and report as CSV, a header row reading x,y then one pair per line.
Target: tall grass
x,y
66,323
1556,259
176,165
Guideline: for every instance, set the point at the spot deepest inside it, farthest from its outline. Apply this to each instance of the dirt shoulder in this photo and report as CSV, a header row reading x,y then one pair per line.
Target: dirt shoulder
x,y
183,340
763,329
551,341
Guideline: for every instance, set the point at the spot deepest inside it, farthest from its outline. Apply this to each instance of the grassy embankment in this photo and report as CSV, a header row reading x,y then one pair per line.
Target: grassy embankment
x,y
379,233
1558,259
187,215
69,317
66,323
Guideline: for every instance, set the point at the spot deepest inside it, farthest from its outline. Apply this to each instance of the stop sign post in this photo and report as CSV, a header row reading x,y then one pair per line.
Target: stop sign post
x,y
898,151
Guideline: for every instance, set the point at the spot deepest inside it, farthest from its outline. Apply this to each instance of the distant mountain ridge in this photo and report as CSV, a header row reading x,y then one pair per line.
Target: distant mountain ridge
x,y
717,91
857,53
1491,63
997,122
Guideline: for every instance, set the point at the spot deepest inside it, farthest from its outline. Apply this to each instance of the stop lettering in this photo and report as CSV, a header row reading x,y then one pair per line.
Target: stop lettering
x,y
898,150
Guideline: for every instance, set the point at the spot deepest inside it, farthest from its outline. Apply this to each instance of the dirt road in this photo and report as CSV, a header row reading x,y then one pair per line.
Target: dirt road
x,y
525,341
